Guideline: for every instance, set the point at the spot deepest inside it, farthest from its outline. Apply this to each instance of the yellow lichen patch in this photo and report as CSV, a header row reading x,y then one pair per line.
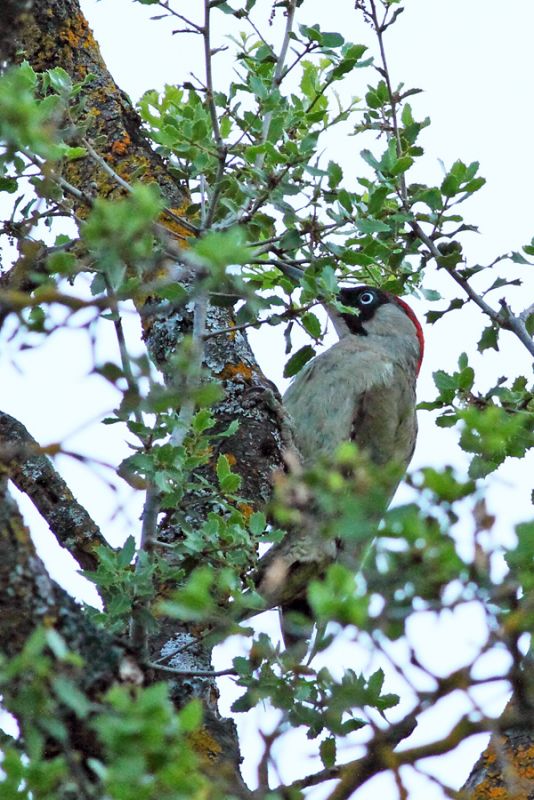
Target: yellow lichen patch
x,y
205,745
245,509
77,33
173,225
512,780
233,370
525,762
120,146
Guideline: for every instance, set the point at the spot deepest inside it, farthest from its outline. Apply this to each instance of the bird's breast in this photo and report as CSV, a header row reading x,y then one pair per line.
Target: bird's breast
x,y
324,396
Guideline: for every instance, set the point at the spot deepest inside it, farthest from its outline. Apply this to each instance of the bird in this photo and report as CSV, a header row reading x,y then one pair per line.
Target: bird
x,y
362,390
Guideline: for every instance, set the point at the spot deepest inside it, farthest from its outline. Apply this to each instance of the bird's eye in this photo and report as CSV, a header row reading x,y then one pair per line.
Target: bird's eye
x,y
366,298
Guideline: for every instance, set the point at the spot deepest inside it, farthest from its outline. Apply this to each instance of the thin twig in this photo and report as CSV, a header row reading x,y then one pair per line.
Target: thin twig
x,y
172,12
209,74
138,628
123,349
222,150
506,320
289,314
191,673
98,159
379,29
278,73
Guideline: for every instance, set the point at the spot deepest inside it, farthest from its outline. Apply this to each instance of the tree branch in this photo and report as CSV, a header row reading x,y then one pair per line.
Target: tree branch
x,y
33,473
507,321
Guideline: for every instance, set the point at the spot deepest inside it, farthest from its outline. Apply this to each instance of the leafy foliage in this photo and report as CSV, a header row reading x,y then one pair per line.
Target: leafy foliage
x,y
275,225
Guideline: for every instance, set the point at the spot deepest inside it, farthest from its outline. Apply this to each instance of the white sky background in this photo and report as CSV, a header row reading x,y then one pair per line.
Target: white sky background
x,y
475,62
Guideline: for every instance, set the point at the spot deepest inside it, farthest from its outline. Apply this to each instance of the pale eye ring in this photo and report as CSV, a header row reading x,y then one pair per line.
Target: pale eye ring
x,y
366,298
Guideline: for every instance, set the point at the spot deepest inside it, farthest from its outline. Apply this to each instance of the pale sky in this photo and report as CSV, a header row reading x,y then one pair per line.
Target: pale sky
x,y
474,61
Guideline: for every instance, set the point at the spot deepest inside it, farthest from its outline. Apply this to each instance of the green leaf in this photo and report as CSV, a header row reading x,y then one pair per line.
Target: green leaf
x,y
57,644
327,751
335,174
191,716
223,248
375,683
193,601
401,165
369,225
450,186
345,199
229,482
432,198
312,324
376,199
473,186
69,694
126,553
447,420
9,185
444,381
257,523
59,80
488,339
297,360
332,39
369,158
37,317
203,420
61,263
517,258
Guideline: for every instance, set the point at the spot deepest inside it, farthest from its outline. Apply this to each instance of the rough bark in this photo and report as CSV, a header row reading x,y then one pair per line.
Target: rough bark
x,y
55,33
505,770
33,473
30,599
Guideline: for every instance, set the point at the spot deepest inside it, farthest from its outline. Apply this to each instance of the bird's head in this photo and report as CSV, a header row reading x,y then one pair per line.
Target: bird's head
x,y
379,313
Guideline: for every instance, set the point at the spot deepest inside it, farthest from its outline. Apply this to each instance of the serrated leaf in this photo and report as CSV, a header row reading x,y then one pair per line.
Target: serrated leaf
x,y
432,198
335,174
375,683
241,665
377,198
450,186
203,420
223,467
401,165
127,552
370,225
230,484
517,258
444,381
488,339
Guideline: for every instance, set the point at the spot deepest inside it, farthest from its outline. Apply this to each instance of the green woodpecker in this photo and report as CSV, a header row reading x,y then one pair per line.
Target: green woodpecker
x,y
362,390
